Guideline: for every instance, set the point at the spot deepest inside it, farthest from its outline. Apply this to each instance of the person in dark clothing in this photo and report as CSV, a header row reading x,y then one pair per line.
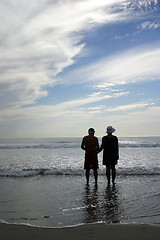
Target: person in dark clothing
x,y
110,153
91,146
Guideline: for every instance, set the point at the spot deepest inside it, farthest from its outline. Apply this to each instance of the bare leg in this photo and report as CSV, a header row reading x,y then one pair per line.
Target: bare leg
x,y
87,175
108,174
113,174
95,176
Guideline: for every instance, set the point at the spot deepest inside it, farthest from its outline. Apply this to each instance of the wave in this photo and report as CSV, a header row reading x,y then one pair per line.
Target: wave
x,y
38,146
41,171
74,172
73,145
140,145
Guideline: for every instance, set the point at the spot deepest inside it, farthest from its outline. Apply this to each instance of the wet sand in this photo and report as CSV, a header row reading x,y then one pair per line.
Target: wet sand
x,y
88,231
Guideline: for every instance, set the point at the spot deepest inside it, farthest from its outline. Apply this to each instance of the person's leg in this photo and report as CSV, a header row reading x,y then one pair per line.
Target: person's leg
x,y
108,173
113,174
87,175
95,176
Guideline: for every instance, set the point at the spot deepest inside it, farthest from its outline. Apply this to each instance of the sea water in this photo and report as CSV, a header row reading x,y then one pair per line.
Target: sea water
x,y
42,183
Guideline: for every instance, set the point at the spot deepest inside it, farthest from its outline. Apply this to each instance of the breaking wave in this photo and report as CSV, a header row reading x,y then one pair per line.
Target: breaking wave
x,y
74,172
73,145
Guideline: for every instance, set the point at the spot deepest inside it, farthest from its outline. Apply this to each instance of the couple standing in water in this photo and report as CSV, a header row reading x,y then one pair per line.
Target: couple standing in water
x,y
110,153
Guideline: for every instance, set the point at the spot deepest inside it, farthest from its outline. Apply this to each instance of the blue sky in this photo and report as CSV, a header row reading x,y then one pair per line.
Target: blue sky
x,y
69,65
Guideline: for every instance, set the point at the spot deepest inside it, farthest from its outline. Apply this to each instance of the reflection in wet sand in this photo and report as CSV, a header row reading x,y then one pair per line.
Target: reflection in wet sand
x,y
92,206
102,206
110,205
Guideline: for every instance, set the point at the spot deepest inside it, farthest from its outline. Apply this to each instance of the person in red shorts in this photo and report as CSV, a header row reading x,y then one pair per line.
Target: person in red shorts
x,y
91,146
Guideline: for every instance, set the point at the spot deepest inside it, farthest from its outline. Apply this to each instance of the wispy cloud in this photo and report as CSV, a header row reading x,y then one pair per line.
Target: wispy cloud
x,y
67,108
133,123
40,38
131,107
148,25
139,64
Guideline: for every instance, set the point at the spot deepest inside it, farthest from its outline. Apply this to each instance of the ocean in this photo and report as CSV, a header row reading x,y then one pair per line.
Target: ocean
x,y
42,183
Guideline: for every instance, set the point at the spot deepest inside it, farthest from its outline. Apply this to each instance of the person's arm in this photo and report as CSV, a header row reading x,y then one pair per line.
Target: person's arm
x,y
97,145
83,145
117,148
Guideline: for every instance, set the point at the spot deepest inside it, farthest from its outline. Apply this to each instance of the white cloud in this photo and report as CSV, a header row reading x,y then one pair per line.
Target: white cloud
x,y
144,122
137,65
140,122
129,107
148,25
40,38
67,108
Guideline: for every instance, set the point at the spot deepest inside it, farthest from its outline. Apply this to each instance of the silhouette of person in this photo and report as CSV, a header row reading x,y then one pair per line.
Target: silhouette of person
x,y
110,153
91,146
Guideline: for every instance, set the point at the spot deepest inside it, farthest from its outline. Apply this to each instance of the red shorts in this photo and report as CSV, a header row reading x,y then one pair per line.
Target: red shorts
x,y
91,160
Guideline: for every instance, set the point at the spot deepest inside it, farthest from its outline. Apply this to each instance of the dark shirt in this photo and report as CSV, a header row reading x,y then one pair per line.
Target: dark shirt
x,y
90,142
110,150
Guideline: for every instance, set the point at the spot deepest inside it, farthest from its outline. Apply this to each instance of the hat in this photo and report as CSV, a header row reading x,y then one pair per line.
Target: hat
x,y
91,130
110,129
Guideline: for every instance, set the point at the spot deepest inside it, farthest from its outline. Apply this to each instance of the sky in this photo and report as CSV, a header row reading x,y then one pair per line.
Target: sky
x,y
68,65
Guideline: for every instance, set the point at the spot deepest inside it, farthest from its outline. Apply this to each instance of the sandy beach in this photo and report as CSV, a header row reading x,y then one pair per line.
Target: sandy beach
x,y
88,231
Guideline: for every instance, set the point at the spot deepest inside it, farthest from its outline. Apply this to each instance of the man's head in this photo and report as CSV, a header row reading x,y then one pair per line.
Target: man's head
x,y
91,131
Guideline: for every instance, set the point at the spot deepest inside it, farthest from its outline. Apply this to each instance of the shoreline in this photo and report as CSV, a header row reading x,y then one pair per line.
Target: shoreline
x,y
86,231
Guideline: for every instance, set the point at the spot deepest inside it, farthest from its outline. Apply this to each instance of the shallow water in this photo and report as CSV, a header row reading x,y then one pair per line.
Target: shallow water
x,y
58,201
42,183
